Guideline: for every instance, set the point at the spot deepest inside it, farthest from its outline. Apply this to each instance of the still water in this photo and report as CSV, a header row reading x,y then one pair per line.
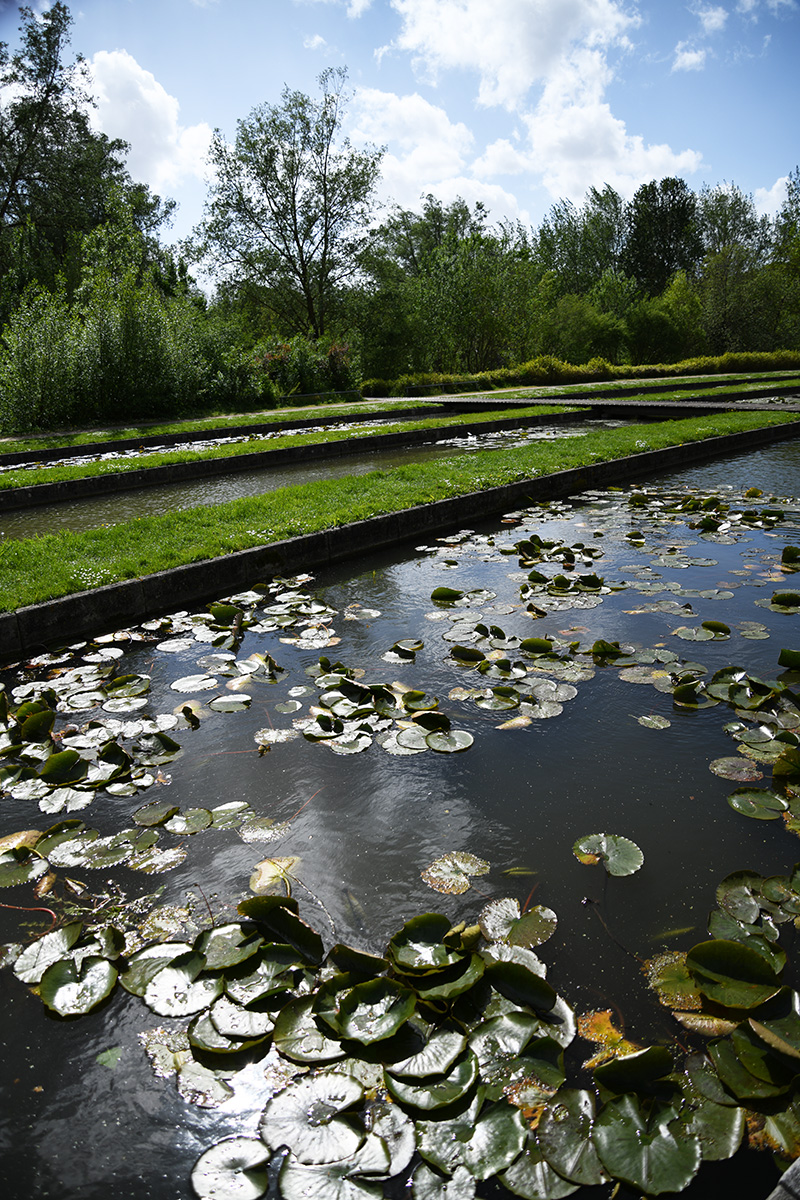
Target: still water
x,y
153,501
363,826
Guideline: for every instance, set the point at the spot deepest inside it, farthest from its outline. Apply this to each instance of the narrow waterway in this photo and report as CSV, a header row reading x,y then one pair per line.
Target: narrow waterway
x,y
153,501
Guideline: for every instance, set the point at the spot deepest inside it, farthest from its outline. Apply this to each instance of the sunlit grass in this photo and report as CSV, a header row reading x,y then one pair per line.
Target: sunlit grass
x,y
52,565
31,475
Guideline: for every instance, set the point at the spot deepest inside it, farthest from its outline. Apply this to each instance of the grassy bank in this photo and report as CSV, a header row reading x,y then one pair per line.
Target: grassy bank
x,y
28,476
208,424
43,568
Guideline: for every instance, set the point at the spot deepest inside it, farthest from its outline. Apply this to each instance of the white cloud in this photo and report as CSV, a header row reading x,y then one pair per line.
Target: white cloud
x,y
712,19
501,158
314,42
511,44
687,58
579,143
132,105
427,152
769,200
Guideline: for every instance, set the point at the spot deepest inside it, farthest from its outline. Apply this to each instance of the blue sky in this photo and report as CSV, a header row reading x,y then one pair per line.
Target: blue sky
x,y
513,102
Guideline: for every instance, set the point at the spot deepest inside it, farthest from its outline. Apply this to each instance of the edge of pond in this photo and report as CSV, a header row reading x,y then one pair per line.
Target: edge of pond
x,y
69,618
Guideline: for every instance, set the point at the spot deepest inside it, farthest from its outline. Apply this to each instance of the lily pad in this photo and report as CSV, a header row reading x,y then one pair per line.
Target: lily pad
x,y
234,1169
648,1149
307,1117
619,855
737,768
71,989
451,872
502,921
759,803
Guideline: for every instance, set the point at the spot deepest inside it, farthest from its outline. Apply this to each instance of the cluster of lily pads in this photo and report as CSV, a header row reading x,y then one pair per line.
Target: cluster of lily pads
x,y
442,1061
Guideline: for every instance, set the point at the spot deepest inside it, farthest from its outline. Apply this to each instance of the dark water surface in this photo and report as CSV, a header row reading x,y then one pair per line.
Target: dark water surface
x,y
369,823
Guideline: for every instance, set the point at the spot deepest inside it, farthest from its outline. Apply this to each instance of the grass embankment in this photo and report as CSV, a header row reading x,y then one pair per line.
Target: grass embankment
x,y
267,418
637,389
42,568
31,475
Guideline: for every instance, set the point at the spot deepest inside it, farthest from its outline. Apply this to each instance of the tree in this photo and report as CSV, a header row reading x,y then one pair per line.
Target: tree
x,y
662,234
726,218
58,178
290,204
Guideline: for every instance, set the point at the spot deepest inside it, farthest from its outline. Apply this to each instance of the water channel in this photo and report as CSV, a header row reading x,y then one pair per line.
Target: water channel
x,y
153,501
81,1123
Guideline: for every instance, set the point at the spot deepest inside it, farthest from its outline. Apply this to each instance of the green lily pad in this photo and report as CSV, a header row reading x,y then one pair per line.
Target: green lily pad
x,y
450,873
564,1135
35,959
649,1150
732,974
297,1036
307,1116
368,1012
436,1092
619,855
450,742
436,1057
420,946
759,803
533,1178
501,921
654,722
234,1169
71,989
175,991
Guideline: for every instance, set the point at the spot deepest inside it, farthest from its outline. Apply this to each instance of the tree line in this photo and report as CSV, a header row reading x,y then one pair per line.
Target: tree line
x,y
313,286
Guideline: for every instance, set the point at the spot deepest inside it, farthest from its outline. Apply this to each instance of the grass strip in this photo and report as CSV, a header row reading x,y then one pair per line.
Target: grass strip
x,y
42,568
633,390
268,417
31,475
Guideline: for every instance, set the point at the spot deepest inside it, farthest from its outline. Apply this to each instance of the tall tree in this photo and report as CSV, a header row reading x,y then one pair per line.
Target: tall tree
x,y
290,203
662,234
59,179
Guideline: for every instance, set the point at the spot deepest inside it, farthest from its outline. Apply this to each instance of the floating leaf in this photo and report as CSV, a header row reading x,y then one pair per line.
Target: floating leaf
x,y
234,1169
619,855
732,974
759,803
71,989
502,921
648,1149
450,873
654,722
564,1136
306,1116
737,768
451,742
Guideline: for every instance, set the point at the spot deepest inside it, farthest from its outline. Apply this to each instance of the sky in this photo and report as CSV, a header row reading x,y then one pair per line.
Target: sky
x,y
516,103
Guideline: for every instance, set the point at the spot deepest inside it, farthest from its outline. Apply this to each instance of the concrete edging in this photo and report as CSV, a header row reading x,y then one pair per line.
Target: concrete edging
x,y
57,622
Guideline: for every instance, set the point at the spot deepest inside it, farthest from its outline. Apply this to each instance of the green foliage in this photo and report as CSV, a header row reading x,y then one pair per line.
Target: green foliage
x,y
290,204
305,366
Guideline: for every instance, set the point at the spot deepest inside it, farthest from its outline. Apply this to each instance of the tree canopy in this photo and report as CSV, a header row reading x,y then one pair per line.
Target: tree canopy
x,y
290,203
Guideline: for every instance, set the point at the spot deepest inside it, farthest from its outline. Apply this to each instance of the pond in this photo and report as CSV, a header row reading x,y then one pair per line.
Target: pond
x,y
532,754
